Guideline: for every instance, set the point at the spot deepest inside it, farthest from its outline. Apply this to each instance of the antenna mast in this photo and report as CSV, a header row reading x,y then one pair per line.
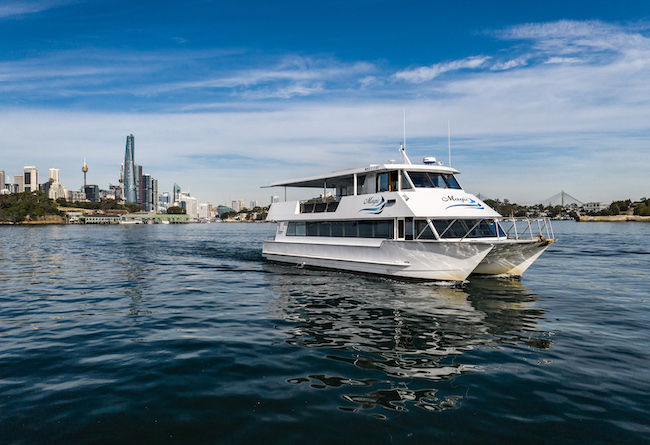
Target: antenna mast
x,y
404,128
449,141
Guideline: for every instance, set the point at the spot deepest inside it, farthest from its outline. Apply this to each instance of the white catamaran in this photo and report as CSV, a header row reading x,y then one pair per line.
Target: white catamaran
x,y
411,221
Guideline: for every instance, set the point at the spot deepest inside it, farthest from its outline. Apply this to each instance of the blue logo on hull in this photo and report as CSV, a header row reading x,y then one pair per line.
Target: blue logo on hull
x,y
463,202
376,205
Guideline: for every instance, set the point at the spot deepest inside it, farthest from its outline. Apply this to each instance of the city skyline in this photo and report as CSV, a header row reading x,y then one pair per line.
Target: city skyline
x,y
227,98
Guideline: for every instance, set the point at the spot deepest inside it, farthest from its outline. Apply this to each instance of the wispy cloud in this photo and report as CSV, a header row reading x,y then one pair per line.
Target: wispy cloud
x,y
509,64
427,73
562,93
12,8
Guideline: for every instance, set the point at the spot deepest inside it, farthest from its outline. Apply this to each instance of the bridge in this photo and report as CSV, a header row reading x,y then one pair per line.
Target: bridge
x,y
562,199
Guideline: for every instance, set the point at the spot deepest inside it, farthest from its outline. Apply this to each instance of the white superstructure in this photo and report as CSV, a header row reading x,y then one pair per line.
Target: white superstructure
x,y
402,220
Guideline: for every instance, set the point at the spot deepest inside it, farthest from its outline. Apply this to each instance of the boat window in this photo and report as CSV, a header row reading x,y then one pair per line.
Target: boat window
x,y
469,228
453,183
406,185
423,230
365,229
318,206
382,182
420,179
296,229
435,180
392,181
408,226
348,229
344,186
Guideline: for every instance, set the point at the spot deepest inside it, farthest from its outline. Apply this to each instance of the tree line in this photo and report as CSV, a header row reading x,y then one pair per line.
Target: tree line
x,y
16,207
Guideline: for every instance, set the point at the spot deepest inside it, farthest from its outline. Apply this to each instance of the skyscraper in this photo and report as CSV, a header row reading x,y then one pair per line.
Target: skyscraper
x,y
30,181
129,171
55,174
176,194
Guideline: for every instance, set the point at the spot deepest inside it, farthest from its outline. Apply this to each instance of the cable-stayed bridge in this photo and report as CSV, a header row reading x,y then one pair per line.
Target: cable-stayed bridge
x,y
559,199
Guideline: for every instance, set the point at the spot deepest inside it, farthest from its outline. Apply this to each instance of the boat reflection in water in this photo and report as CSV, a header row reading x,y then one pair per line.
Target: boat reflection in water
x,y
398,338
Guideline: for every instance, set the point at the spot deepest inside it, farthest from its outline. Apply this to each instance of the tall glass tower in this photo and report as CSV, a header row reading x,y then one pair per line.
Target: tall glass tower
x,y
129,171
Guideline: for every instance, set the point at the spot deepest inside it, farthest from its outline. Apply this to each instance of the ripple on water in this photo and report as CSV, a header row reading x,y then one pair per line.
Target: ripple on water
x,y
184,333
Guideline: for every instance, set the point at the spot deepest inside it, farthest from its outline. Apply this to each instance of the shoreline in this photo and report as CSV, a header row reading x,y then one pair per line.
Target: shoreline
x,y
615,218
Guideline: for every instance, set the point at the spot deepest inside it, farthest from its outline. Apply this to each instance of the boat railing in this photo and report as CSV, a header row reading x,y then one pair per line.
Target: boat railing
x,y
521,228
320,205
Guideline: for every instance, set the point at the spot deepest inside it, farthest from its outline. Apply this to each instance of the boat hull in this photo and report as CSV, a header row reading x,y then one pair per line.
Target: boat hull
x,y
413,260
511,257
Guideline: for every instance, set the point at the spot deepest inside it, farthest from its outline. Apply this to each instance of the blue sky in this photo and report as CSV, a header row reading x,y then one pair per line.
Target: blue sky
x,y
225,97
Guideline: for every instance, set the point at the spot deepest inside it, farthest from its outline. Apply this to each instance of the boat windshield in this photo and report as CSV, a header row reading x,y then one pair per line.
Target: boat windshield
x,y
434,180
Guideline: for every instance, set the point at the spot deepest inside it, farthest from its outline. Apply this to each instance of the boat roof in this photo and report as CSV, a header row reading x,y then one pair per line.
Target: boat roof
x,y
317,181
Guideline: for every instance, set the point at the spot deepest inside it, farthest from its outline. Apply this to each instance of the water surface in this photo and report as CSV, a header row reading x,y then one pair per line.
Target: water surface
x,y
184,334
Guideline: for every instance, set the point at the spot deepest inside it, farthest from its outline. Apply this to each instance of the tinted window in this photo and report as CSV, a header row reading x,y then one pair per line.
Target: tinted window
x,y
436,180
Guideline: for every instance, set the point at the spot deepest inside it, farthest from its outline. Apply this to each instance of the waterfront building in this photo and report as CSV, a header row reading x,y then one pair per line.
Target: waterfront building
x,y
176,193
30,179
149,193
56,191
53,187
19,184
204,210
221,209
239,205
91,193
129,174
164,201
190,204
116,191
139,188
595,207
76,196
55,175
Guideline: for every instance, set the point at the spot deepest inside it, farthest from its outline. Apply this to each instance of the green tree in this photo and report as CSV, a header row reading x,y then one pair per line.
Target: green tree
x,y
132,208
18,206
175,210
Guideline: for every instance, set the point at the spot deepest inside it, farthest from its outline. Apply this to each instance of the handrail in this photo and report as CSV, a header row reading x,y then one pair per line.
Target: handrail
x,y
514,228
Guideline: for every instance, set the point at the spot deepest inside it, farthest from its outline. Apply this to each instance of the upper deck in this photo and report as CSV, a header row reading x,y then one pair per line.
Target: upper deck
x,y
396,190
342,176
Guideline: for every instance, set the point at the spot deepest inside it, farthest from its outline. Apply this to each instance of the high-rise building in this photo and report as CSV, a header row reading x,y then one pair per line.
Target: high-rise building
x,y
165,199
19,183
176,193
91,193
55,175
139,185
190,204
2,180
30,181
253,205
129,171
149,193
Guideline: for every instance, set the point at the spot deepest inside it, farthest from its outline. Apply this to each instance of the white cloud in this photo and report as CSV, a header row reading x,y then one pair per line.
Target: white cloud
x,y
12,8
427,73
517,133
510,64
561,60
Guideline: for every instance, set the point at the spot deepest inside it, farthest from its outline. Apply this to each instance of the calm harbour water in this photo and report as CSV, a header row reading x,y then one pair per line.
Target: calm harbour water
x,y
184,334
